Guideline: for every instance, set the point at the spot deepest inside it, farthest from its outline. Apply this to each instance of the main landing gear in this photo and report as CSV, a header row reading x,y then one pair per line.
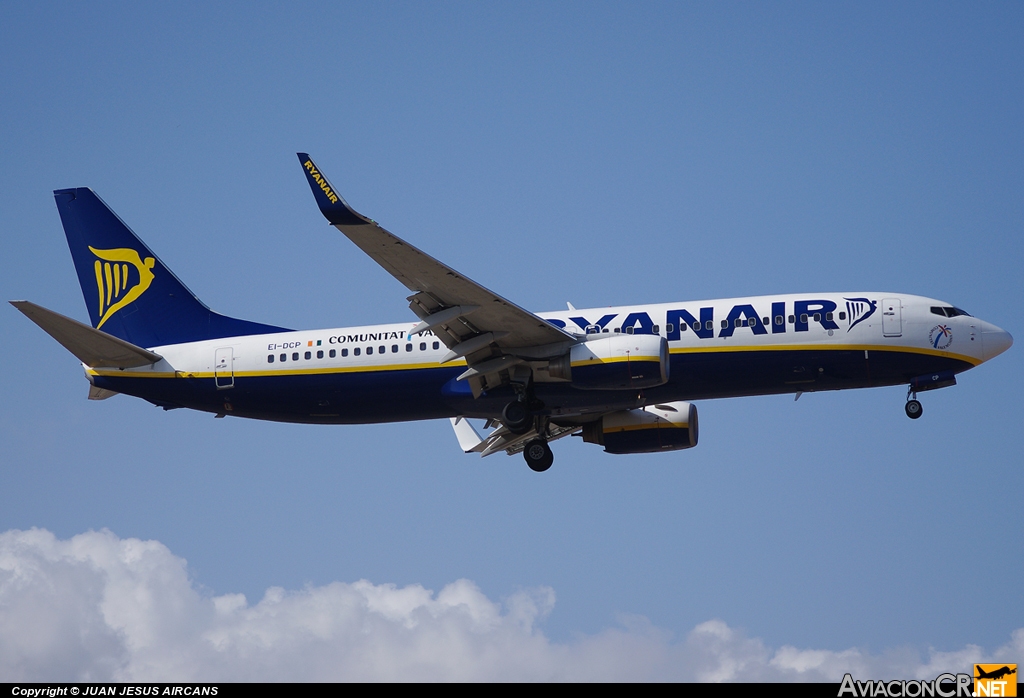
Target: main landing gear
x,y
913,408
516,417
519,418
538,455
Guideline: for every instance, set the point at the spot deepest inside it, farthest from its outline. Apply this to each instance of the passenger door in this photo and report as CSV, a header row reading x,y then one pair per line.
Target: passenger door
x,y
223,368
892,317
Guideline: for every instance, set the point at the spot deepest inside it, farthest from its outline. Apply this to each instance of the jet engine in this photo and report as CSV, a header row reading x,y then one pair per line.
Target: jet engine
x,y
618,362
668,427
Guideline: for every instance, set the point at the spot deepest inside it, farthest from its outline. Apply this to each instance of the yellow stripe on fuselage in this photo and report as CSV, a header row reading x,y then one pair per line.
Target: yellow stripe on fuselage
x,y
649,425
828,347
113,372
615,360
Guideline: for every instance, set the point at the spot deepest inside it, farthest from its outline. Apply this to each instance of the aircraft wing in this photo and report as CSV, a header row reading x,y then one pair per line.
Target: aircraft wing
x,y
491,332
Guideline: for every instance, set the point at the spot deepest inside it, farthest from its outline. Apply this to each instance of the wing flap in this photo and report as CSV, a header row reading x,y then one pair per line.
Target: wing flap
x,y
469,439
501,439
94,348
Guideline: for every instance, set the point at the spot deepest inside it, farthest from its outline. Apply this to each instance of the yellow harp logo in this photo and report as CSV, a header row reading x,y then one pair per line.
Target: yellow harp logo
x,y
112,279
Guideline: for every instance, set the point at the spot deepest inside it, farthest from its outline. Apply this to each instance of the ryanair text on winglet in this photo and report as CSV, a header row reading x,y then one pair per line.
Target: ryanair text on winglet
x,y
319,179
943,686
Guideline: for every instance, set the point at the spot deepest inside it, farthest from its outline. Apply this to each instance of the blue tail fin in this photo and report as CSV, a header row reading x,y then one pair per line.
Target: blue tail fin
x,y
128,290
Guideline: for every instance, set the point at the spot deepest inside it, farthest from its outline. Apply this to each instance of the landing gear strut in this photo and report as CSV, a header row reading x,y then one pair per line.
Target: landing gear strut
x,y
538,455
518,414
913,408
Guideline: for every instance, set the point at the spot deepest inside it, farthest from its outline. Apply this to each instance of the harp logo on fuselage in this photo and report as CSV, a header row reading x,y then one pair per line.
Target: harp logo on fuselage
x,y
116,283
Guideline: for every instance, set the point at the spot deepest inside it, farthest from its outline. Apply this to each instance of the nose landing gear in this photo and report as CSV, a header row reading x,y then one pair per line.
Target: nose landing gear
x,y
913,408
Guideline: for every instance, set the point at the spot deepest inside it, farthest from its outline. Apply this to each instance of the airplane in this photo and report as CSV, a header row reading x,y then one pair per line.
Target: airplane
x,y
996,673
624,378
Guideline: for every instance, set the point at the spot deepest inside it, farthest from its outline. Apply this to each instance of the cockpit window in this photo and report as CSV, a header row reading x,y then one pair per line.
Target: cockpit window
x,y
948,311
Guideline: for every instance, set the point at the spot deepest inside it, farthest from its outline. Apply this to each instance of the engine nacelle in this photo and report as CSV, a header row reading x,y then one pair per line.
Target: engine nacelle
x,y
620,362
668,427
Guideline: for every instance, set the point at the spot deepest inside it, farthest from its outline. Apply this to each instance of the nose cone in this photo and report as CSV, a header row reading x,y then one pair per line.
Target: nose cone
x,y
994,341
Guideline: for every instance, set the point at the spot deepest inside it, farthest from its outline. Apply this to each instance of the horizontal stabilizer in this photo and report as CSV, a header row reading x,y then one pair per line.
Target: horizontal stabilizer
x,y
93,348
100,393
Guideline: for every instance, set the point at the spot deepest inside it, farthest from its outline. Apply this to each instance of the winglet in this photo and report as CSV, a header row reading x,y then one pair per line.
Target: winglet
x,y
335,209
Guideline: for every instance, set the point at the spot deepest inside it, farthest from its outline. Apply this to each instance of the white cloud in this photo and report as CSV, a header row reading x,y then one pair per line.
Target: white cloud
x,y
100,608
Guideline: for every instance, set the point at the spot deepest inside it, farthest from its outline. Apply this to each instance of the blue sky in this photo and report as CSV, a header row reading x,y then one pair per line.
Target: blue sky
x,y
586,152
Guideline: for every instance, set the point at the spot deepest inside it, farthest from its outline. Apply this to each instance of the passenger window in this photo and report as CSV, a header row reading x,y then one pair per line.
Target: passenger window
x,y
779,319
381,350
270,359
765,320
738,322
423,346
792,319
408,347
842,314
308,355
629,330
751,321
618,329
696,326
817,317
333,353
725,323
295,356
707,325
284,357
369,350
437,345
319,353
394,348
355,352
344,352
656,329
592,329
803,318
828,316
670,328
